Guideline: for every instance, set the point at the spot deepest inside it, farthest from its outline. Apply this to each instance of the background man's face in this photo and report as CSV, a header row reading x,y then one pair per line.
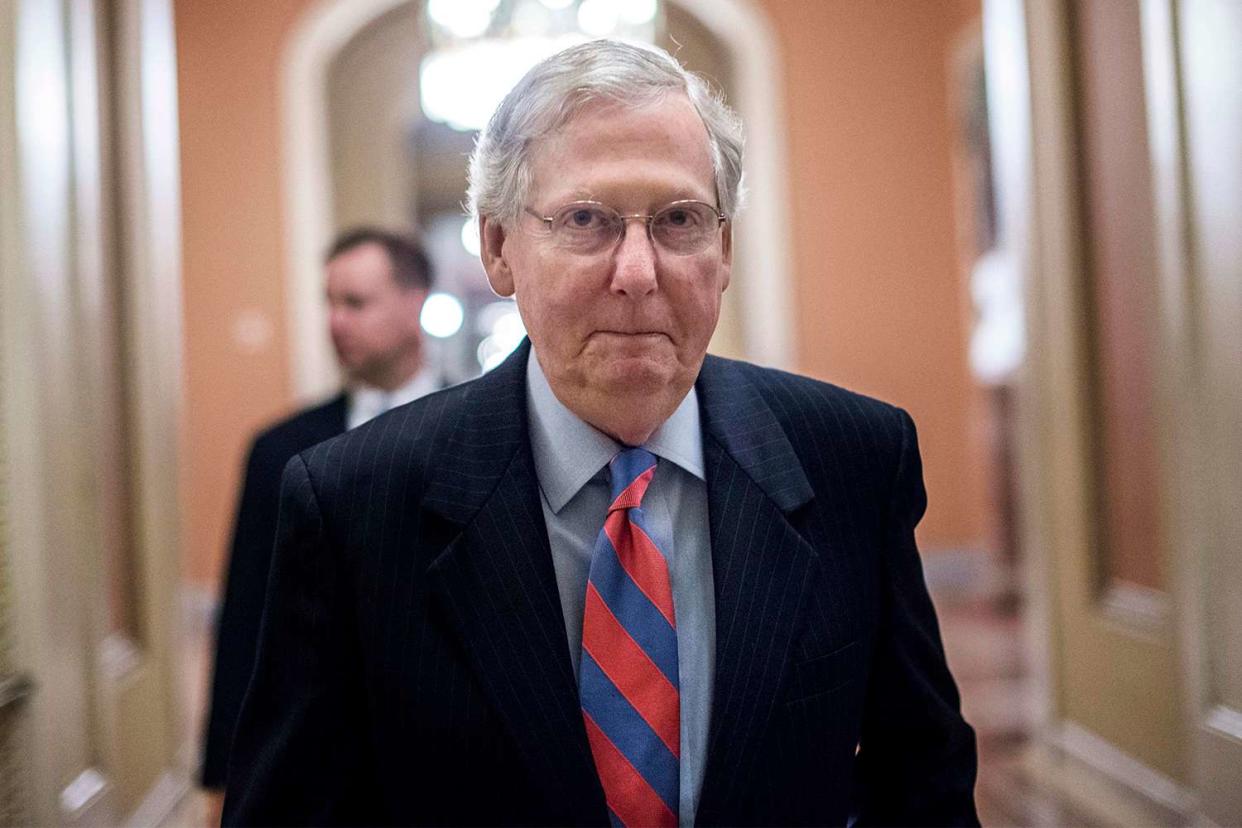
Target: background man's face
x,y
374,322
634,320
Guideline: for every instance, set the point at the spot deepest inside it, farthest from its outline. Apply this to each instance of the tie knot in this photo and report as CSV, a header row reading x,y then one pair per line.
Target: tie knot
x,y
630,473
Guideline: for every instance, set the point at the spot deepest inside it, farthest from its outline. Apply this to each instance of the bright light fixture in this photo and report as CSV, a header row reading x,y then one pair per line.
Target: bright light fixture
x,y
599,17
461,86
639,12
508,330
464,18
470,236
507,333
442,315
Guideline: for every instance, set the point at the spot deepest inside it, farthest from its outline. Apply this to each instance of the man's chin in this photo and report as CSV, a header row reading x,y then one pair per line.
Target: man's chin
x,y
625,378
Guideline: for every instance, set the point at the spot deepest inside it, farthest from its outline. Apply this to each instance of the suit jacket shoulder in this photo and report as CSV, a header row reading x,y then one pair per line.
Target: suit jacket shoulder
x,y
301,430
838,436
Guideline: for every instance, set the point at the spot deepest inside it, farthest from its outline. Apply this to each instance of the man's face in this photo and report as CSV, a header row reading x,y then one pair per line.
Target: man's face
x,y
374,321
631,323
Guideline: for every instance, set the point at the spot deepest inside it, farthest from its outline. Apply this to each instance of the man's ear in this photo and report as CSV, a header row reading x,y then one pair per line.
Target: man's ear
x,y
726,255
492,252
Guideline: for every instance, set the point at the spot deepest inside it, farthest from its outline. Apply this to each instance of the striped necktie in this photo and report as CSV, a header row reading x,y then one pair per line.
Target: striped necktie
x,y
628,675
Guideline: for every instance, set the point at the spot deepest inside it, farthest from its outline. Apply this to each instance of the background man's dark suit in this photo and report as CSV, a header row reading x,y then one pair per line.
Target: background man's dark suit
x,y
413,666
254,533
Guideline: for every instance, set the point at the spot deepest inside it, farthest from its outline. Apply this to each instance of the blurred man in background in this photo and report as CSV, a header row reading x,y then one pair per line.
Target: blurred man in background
x,y
376,284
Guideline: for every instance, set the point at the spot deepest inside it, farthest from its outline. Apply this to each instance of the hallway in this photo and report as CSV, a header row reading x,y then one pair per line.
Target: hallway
x,y
1021,782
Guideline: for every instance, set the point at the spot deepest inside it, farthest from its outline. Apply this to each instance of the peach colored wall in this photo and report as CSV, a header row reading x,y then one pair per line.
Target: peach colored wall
x,y
228,55
880,302
877,291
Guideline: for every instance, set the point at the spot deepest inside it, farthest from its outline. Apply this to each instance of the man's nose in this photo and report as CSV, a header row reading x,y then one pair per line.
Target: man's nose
x,y
634,262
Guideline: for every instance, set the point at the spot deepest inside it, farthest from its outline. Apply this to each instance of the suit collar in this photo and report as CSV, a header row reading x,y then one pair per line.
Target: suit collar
x,y
736,416
494,429
569,451
491,431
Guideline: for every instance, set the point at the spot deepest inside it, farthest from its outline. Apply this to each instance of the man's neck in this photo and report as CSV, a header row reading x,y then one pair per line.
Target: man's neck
x,y
629,419
398,376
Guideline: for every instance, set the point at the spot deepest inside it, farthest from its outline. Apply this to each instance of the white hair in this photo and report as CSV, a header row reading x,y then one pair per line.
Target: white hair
x,y
556,89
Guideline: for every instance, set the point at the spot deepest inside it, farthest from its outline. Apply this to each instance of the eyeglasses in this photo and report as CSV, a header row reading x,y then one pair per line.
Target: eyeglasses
x,y
682,228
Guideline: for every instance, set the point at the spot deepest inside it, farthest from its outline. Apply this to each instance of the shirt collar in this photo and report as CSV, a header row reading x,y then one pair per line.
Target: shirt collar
x,y
569,452
367,402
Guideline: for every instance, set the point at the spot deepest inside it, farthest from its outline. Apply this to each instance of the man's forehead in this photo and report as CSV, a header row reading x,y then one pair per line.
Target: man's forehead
x,y
367,253
601,114
365,267
608,142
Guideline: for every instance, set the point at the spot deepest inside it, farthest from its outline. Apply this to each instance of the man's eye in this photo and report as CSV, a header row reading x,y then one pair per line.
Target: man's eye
x,y
584,219
678,218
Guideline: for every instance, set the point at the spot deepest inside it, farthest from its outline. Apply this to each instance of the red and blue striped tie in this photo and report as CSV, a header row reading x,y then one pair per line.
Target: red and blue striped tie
x,y
628,676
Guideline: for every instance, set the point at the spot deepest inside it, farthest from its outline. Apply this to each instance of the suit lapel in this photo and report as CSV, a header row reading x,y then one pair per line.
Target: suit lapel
x,y
497,587
760,563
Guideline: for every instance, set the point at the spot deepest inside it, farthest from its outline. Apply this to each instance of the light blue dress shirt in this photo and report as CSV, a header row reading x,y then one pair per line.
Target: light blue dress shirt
x,y
571,459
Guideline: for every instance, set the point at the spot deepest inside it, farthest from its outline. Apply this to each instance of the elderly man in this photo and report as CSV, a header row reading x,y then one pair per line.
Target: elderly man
x,y
614,580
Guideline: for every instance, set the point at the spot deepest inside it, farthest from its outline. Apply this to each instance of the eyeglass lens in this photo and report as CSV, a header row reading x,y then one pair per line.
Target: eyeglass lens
x,y
681,228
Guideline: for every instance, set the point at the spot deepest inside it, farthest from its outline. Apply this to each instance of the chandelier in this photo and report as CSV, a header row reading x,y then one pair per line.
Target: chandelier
x,y
481,48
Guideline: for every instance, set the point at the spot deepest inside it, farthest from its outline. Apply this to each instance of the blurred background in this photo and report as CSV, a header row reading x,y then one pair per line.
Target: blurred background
x,y
1021,220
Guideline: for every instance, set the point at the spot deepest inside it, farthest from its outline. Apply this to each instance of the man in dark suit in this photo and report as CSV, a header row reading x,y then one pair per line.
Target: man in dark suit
x,y
614,580
376,282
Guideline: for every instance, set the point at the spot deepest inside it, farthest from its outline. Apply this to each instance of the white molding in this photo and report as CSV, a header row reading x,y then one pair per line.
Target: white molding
x,y
1121,767
763,251
84,795
1008,64
1225,721
1138,608
160,802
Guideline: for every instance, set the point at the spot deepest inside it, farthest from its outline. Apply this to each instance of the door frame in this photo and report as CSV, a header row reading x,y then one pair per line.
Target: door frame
x,y
90,367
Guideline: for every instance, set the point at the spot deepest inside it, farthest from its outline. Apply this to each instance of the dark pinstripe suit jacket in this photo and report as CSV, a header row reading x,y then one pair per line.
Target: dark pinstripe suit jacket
x,y
413,666
250,555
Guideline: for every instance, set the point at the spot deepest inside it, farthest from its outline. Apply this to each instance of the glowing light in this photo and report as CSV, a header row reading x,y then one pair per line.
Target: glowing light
x,y
530,20
470,236
599,17
557,5
464,18
461,86
639,12
507,332
442,315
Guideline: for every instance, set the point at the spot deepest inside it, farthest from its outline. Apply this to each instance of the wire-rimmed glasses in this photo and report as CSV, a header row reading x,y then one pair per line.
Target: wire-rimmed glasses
x,y
682,228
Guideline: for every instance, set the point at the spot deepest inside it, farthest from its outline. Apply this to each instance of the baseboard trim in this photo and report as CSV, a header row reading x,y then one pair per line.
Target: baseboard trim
x,y
1121,767
160,802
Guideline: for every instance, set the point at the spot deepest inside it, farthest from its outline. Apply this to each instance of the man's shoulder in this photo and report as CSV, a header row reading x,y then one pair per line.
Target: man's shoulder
x,y
405,438
800,401
835,434
304,427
